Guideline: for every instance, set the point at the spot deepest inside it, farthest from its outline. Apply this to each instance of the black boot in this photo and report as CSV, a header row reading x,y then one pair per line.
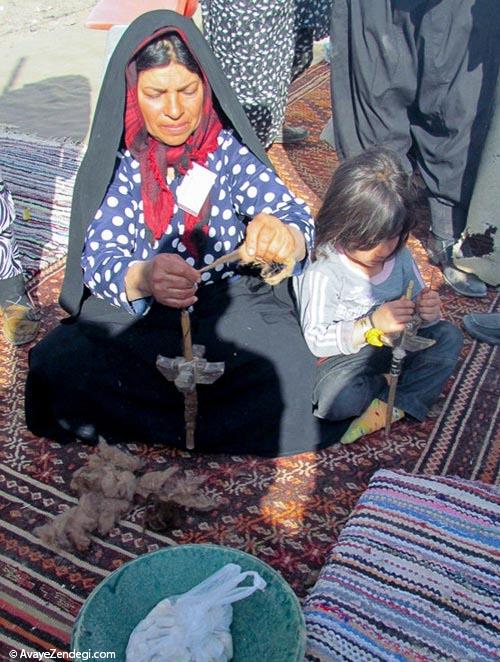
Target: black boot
x,y
439,252
288,134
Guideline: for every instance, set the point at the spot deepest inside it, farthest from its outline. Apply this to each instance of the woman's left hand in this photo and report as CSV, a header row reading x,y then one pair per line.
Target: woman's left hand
x,y
271,240
428,305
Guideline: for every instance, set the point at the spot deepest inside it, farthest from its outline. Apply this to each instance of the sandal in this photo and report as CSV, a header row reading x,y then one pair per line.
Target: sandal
x,y
21,321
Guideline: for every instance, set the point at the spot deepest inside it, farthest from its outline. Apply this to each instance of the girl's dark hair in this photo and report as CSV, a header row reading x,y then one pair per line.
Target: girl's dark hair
x,y
164,50
370,199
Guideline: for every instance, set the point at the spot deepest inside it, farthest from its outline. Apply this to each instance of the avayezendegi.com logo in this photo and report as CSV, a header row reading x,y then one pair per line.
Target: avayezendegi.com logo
x,y
54,654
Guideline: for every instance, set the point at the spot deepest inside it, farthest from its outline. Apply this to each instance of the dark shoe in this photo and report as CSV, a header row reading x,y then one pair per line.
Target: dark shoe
x,y
483,326
465,284
291,134
440,254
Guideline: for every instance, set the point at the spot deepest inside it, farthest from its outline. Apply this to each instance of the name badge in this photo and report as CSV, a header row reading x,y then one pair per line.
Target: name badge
x,y
194,189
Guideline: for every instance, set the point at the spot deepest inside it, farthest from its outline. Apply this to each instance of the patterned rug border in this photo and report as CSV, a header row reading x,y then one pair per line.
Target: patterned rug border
x,y
318,74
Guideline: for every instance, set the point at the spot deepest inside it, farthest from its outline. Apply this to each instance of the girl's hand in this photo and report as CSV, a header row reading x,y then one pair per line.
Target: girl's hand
x,y
166,277
392,316
428,305
271,240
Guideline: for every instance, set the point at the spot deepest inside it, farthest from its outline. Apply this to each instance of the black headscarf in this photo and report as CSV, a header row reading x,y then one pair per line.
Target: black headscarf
x,y
97,167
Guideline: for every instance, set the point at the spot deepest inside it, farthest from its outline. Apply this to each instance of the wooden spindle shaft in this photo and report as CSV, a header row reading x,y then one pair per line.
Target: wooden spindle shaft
x,y
187,344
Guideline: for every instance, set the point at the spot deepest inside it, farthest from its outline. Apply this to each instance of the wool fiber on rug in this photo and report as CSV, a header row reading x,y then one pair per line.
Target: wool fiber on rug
x,y
287,512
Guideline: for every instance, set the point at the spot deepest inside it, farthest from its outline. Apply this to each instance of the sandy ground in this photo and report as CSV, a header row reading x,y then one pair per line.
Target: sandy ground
x,y
35,16
51,67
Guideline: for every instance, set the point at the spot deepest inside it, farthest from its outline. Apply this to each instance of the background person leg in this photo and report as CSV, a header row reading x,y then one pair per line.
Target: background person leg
x,y
20,319
373,78
458,48
478,250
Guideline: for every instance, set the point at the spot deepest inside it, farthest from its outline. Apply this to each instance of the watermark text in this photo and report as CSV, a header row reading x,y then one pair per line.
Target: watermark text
x,y
54,654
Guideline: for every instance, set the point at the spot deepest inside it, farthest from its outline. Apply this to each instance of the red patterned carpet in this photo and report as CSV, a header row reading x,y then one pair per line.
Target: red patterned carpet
x,y
288,512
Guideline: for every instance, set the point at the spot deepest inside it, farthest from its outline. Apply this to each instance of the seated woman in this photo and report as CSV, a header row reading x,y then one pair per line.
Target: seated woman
x,y
173,179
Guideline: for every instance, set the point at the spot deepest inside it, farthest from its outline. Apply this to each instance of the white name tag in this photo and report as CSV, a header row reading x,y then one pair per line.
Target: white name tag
x,y
194,189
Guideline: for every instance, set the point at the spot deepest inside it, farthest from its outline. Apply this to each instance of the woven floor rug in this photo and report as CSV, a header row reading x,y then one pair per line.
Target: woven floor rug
x,y
288,512
40,174
414,576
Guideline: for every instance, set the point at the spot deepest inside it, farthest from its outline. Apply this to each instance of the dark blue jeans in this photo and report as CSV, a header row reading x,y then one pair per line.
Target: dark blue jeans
x,y
346,384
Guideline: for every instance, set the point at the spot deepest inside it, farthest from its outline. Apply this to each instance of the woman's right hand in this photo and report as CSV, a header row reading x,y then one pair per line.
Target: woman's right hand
x,y
172,281
166,277
392,316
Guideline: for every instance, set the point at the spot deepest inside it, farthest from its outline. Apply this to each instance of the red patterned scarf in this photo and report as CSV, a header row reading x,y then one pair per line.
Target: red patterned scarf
x,y
155,157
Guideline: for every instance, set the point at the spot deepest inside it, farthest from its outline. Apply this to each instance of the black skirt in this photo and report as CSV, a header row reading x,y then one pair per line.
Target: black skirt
x,y
90,378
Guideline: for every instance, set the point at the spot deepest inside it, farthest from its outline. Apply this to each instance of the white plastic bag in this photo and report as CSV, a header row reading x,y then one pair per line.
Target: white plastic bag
x,y
194,626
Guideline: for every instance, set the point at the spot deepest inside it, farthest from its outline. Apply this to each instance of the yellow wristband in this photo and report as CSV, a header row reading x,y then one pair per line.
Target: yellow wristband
x,y
373,337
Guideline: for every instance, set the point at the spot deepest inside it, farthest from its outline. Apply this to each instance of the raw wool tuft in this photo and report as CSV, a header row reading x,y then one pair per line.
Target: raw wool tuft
x,y
273,273
107,486
185,492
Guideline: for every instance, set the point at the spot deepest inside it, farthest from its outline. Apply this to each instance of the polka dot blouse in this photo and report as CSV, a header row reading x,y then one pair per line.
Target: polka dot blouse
x,y
244,187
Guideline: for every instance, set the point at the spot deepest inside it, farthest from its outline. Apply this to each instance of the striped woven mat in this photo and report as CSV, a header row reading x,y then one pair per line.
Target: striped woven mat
x,y
288,512
415,575
40,174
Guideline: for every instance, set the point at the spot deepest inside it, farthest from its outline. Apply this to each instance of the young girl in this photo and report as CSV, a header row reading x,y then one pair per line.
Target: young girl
x,y
357,280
